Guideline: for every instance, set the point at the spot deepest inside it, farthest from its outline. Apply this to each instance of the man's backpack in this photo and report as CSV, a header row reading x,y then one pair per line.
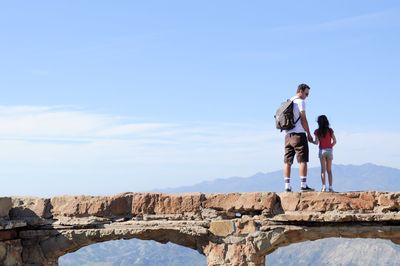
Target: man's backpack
x,y
284,117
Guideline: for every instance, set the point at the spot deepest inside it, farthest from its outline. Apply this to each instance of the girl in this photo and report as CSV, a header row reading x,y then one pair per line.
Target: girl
x,y
325,138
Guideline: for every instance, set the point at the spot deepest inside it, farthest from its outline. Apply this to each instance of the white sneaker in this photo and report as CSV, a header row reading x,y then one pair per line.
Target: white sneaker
x,y
323,189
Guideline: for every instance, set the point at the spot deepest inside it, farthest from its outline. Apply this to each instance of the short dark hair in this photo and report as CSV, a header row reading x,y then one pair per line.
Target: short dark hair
x,y
302,87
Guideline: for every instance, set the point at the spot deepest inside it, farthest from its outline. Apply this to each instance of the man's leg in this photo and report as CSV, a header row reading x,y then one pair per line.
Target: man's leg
x,y
287,168
302,158
303,174
303,169
288,160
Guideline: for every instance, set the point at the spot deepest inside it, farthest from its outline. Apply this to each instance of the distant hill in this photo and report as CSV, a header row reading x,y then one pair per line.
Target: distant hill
x,y
329,252
133,252
345,178
365,177
336,251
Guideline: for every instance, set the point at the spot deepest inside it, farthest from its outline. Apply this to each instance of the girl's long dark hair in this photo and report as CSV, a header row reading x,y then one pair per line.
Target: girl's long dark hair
x,y
323,126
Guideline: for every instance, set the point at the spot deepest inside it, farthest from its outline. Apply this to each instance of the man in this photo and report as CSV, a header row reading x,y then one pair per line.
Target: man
x,y
296,140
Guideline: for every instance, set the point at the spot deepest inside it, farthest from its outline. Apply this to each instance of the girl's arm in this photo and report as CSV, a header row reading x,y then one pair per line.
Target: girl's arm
x,y
316,142
333,139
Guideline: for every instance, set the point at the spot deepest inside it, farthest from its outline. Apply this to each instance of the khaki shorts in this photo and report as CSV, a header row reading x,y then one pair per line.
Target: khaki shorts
x,y
326,154
296,144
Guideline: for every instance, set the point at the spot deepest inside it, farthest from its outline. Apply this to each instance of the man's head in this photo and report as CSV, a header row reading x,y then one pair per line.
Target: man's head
x,y
303,90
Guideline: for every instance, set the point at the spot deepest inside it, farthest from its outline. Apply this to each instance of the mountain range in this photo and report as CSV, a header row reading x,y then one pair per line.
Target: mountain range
x,y
366,177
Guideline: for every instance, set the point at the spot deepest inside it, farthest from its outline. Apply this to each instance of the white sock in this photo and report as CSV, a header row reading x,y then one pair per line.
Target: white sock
x,y
303,180
287,183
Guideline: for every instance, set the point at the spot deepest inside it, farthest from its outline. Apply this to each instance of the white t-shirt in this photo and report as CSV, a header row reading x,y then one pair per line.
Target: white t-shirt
x,y
299,105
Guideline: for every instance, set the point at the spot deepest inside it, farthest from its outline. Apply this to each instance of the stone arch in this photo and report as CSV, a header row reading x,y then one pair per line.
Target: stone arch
x,y
230,229
132,251
334,251
268,242
62,242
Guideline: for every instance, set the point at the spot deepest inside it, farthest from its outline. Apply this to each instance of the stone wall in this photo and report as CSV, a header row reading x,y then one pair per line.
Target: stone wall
x,y
230,229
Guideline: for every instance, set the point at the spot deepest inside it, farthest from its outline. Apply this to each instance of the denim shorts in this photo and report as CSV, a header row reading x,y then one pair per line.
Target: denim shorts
x,y
326,153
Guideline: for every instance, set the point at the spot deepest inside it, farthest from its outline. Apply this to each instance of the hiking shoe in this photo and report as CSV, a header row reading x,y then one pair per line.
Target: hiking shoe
x,y
288,190
307,189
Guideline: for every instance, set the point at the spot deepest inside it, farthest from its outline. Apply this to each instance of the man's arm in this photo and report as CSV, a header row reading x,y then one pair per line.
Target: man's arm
x,y
304,123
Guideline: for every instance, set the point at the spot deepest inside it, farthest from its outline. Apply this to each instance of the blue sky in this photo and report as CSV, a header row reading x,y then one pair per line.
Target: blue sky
x,y
128,95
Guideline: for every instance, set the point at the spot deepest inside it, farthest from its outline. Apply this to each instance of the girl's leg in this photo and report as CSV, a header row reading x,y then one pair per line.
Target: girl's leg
x,y
329,170
323,170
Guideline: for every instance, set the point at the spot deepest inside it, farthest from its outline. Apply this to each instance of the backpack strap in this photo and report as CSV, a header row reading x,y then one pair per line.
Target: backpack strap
x,y
295,122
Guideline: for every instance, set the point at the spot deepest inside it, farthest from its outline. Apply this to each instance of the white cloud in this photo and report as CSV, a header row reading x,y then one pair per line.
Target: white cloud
x,y
71,151
30,122
51,142
129,129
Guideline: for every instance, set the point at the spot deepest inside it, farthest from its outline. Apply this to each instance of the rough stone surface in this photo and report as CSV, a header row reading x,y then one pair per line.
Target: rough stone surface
x,y
85,206
389,202
230,229
10,253
242,202
233,255
323,202
157,203
246,226
126,205
5,207
222,228
8,235
30,207
11,224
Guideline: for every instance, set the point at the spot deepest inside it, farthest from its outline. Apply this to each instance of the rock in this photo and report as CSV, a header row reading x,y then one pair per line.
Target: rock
x,y
231,229
11,224
157,203
215,254
128,204
3,251
209,214
222,228
245,226
389,201
5,207
289,201
30,207
232,255
324,202
10,253
242,202
8,235
85,206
